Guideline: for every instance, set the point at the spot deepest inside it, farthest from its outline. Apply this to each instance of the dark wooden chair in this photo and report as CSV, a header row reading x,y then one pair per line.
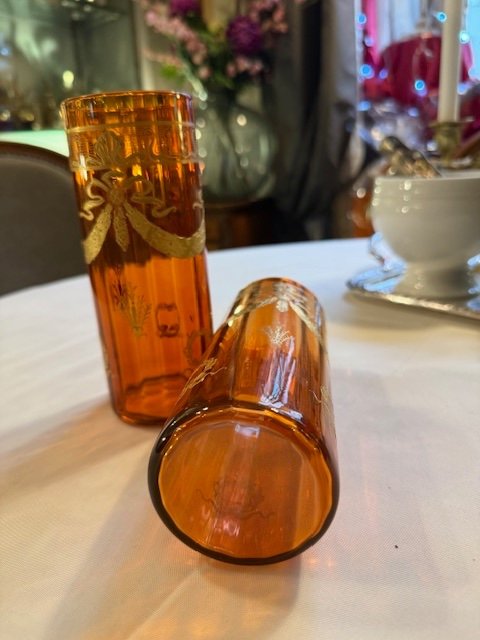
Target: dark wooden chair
x,y
39,227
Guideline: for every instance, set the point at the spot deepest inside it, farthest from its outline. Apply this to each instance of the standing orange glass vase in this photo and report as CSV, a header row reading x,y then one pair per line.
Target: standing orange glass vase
x,y
137,180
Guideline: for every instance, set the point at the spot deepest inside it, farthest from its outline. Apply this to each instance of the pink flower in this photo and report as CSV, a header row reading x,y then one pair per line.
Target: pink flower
x,y
204,72
227,57
270,14
231,70
252,66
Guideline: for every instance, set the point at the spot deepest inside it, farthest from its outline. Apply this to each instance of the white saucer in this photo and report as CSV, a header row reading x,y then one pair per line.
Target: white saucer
x,y
382,283
417,281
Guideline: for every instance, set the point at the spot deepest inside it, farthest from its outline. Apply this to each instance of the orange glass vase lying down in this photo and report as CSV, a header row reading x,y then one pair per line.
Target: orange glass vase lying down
x,y
246,469
137,179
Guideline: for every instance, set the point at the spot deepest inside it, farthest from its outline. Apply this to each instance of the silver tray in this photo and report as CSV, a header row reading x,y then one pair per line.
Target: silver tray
x,y
379,283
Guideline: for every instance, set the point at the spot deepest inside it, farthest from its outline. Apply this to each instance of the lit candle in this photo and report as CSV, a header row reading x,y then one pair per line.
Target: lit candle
x,y
450,62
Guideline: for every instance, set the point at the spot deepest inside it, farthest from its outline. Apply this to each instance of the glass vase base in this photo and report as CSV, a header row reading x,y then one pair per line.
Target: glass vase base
x,y
151,402
221,462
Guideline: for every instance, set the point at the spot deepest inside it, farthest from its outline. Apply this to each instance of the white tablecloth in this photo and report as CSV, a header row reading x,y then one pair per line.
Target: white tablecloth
x,y
84,555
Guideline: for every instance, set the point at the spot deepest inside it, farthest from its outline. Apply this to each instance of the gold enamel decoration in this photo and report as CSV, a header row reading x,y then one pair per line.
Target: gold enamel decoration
x,y
278,335
285,296
108,151
134,307
117,200
198,376
133,155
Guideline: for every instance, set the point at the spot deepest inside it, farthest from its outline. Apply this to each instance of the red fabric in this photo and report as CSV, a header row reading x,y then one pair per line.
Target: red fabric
x,y
411,59
371,53
470,108
414,58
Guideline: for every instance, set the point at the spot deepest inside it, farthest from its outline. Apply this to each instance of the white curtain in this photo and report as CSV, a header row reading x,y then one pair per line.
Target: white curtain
x,y
395,20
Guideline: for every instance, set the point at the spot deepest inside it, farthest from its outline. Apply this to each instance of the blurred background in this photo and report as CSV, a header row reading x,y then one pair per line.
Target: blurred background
x,y
300,136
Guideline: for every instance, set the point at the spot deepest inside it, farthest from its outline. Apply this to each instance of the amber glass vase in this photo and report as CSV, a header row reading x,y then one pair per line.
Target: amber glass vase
x,y
246,469
137,180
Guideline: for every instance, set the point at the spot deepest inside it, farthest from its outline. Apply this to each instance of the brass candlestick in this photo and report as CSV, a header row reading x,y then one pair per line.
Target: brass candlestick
x,y
448,137
469,151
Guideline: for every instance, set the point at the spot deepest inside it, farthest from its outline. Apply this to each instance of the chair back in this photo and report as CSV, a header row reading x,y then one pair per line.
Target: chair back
x,y
39,226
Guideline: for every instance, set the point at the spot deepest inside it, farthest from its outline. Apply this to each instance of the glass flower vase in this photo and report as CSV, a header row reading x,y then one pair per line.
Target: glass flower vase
x,y
137,181
237,146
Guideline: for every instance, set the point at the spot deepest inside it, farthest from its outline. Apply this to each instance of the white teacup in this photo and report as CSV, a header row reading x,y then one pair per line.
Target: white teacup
x,y
433,224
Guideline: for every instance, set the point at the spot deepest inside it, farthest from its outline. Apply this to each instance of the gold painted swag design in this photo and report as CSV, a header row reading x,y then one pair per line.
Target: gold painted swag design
x,y
117,200
284,296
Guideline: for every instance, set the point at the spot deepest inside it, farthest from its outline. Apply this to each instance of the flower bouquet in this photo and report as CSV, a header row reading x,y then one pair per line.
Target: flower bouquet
x,y
216,54
217,48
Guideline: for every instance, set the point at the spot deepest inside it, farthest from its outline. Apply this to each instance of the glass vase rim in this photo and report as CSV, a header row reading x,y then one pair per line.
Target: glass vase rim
x,y
88,97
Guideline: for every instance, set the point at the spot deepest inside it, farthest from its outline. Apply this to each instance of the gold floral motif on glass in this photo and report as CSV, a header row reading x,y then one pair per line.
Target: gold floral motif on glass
x,y
285,296
133,306
278,335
